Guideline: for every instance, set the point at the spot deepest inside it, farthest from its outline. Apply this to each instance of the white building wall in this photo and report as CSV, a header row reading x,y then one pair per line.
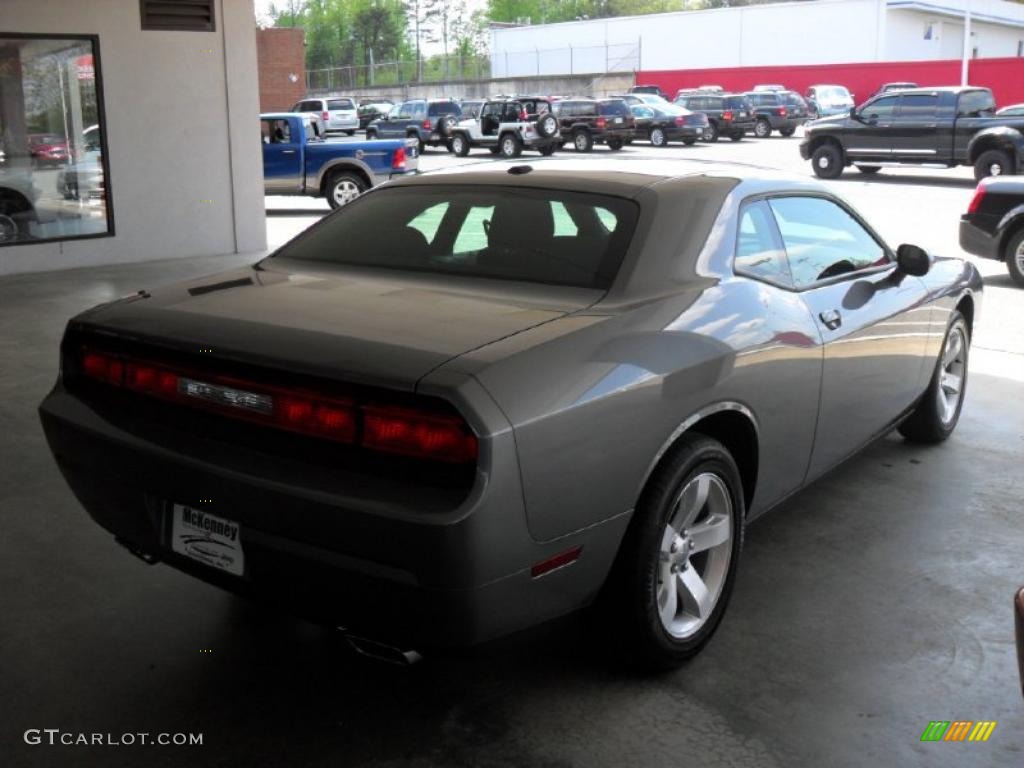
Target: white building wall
x,y
181,130
821,32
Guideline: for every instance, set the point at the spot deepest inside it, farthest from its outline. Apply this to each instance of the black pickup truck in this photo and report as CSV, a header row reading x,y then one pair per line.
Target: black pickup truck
x,y
921,126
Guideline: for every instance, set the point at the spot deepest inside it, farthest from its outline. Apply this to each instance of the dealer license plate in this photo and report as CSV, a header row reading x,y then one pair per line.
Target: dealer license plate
x,y
208,538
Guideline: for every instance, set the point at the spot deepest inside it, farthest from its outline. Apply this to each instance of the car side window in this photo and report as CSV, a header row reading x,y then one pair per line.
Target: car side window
x,y
882,108
977,104
275,131
759,251
918,106
429,221
823,240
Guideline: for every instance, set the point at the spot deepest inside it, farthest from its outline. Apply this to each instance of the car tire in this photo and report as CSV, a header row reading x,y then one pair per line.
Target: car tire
x,y
510,146
446,125
650,595
870,170
711,133
615,144
737,136
658,138
935,416
787,132
689,142
762,128
1014,256
459,145
371,135
827,161
343,187
350,133
993,162
548,149
420,146
495,150
547,126
582,141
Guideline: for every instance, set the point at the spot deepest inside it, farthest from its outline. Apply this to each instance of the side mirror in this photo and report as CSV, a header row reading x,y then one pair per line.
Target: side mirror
x,y
912,260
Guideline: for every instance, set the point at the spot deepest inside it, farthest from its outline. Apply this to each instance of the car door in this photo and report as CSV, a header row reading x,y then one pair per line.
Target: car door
x,y
874,322
394,125
869,135
914,133
282,157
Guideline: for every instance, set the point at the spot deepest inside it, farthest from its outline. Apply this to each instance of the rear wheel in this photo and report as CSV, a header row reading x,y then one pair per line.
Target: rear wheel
x,y
689,142
711,132
736,136
582,141
344,187
1014,256
510,146
827,161
658,138
869,169
548,149
936,415
677,565
762,128
614,144
993,162
787,131
459,144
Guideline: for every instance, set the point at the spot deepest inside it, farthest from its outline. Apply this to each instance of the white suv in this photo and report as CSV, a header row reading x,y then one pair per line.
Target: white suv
x,y
507,127
338,113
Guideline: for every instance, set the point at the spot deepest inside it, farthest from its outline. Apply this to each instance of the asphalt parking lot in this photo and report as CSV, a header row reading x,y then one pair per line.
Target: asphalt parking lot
x,y
875,601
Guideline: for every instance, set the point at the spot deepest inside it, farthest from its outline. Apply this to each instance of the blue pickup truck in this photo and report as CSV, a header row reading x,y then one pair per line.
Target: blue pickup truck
x,y
297,160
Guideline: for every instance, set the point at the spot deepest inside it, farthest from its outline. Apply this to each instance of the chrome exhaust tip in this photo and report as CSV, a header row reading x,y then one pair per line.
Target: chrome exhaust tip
x,y
389,654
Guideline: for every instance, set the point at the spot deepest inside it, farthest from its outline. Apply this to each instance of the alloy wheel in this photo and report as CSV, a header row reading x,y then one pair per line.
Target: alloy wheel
x,y
8,229
345,191
1018,257
951,378
694,555
996,169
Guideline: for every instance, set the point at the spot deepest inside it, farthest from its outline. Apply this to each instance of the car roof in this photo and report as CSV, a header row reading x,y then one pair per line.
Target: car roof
x,y
612,176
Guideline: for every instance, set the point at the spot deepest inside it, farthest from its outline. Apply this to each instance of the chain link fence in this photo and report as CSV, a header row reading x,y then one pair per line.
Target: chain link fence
x,y
571,60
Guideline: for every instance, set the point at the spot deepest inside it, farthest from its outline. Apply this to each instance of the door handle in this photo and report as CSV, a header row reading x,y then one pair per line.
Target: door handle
x,y
287,151
831,318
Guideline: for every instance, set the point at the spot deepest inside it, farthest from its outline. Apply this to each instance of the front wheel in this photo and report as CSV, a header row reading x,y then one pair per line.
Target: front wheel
x,y
1014,257
993,162
711,133
677,565
510,146
459,145
762,129
935,417
582,141
658,138
344,187
827,161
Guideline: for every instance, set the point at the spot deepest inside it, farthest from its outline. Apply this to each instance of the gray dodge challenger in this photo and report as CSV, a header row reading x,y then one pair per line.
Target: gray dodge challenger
x,y
476,400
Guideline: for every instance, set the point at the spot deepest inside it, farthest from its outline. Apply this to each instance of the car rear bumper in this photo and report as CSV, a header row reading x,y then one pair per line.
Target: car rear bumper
x,y
443,578
978,241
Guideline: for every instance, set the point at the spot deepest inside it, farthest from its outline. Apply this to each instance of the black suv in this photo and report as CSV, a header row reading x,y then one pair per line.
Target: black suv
x,y
431,121
595,121
777,111
729,114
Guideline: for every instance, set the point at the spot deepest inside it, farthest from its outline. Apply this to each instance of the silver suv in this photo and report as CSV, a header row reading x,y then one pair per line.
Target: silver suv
x,y
338,113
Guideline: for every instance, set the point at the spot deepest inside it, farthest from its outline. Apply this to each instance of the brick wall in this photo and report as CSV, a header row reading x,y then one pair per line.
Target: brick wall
x,y
281,53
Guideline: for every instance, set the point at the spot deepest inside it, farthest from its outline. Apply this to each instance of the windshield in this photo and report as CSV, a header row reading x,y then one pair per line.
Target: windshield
x,y
574,238
833,93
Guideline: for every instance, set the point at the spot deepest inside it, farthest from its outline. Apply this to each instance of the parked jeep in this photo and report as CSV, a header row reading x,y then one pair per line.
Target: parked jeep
x,y
587,122
430,122
507,127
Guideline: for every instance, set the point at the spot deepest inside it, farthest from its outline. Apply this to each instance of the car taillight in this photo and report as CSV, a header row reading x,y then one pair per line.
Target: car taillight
x,y
374,425
680,120
426,124
326,116
524,115
398,159
601,122
727,115
975,204
781,111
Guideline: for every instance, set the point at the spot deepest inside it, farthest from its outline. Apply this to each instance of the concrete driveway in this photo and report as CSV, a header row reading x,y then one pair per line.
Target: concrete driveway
x,y
872,603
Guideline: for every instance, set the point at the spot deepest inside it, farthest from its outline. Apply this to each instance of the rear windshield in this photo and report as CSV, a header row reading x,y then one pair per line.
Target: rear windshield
x,y
574,238
444,108
340,104
614,108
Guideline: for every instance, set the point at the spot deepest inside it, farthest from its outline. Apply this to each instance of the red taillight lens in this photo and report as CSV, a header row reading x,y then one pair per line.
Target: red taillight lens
x,y
727,115
326,116
680,120
427,125
975,204
601,122
394,429
781,111
416,434
398,159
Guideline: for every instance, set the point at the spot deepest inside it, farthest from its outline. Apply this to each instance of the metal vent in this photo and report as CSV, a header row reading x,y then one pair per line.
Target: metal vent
x,y
180,15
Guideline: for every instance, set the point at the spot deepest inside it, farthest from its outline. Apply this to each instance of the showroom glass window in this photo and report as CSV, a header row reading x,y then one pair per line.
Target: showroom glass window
x,y
54,182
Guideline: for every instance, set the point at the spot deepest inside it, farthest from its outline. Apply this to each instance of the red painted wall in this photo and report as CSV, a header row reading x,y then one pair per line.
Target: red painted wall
x,y
1004,76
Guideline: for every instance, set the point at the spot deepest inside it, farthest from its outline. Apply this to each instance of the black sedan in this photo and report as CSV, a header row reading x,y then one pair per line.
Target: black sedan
x,y
993,226
662,123
517,399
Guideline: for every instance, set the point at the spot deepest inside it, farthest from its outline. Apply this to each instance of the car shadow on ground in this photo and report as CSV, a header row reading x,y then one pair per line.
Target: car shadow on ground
x,y
999,281
932,181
